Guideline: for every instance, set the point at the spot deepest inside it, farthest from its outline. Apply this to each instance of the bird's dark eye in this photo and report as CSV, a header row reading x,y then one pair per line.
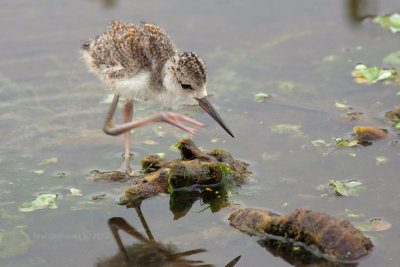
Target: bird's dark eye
x,y
186,86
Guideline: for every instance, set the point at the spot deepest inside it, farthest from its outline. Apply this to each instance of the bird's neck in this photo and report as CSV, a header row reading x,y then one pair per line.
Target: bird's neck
x,y
169,81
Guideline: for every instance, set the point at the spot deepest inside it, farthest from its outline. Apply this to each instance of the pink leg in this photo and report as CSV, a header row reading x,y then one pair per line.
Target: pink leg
x,y
127,113
163,116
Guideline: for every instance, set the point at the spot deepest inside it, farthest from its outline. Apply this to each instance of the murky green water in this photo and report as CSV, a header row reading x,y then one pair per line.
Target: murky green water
x,y
300,53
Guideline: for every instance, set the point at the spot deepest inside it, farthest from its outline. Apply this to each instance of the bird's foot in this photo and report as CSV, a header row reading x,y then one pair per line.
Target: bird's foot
x,y
175,120
126,168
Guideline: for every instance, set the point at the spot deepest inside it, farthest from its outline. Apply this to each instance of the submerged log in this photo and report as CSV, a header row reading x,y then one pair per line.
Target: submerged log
x,y
194,169
334,239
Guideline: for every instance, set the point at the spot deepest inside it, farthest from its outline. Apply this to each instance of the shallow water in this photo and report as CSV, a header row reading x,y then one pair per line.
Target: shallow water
x,y
302,55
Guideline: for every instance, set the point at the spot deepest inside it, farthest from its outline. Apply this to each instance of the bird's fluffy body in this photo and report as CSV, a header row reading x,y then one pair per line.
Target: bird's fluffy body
x,y
141,62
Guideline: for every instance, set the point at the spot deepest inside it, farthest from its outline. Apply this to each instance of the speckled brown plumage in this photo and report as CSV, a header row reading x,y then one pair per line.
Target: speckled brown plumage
x,y
133,47
125,50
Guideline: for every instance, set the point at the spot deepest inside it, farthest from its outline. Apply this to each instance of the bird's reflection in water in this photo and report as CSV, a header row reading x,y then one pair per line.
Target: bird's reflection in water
x,y
147,252
358,10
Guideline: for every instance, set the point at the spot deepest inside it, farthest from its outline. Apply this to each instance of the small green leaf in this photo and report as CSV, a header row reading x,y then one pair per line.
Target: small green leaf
x,y
391,22
261,95
370,74
346,143
384,75
351,188
75,192
339,187
352,215
319,142
49,160
381,160
360,67
394,19
38,172
340,105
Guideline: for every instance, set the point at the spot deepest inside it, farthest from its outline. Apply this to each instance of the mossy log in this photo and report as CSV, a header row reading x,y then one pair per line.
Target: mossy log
x,y
335,240
195,168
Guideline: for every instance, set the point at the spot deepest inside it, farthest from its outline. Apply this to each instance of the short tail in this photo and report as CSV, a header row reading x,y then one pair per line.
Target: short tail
x,y
86,46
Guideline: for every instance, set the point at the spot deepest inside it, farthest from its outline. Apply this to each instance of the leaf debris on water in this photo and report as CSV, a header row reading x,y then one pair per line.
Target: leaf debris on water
x,y
38,172
363,74
42,201
150,142
319,142
381,160
393,117
259,97
101,196
290,129
341,105
346,142
49,160
75,192
390,22
350,188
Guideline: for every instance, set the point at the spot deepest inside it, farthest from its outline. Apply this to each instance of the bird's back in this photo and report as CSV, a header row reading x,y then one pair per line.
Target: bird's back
x,y
127,49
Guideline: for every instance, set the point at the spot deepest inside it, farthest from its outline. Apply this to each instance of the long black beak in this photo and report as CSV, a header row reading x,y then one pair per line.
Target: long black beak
x,y
203,102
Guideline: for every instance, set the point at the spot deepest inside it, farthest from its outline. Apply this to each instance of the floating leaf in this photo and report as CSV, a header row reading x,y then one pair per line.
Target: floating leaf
x,y
41,202
364,74
75,192
259,97
351,188
158,131
340,105
150,142
319,142
381,160
352,215
393,117
391,22
97,197
38,172
49,160
287,129
346,143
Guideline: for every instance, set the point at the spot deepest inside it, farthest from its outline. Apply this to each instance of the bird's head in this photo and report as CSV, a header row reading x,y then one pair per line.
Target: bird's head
x,y
191,75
